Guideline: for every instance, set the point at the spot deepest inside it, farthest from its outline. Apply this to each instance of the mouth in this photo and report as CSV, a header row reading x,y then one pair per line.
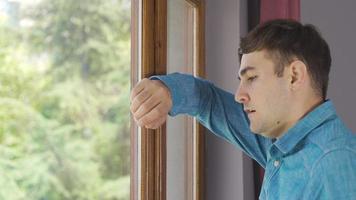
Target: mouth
x,y
250,111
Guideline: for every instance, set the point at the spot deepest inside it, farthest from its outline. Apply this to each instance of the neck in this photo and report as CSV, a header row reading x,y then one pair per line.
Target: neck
x,y
299,112
310,105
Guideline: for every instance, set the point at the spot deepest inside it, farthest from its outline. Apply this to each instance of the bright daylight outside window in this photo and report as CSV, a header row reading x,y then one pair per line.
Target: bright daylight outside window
x,y
64,99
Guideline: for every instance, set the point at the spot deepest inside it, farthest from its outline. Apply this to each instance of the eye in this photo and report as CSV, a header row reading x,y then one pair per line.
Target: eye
x,y
252,78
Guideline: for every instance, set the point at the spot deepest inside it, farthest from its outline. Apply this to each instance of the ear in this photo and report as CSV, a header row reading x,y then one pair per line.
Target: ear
x,y
297,74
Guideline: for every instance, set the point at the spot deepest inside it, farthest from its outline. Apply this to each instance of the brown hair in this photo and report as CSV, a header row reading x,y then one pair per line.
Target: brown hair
x,y
286,40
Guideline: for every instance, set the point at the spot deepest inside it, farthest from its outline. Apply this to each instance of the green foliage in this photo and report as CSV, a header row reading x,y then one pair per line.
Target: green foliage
x,y
92,34
64,102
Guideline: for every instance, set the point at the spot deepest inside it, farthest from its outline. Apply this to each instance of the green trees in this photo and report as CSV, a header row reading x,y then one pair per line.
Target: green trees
x,y
64,101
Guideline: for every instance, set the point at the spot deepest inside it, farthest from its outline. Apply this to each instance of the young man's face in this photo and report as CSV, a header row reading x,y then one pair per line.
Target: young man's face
x,y
265,96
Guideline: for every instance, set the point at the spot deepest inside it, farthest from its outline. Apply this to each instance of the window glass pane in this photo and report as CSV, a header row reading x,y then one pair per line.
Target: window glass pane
x,y
180,137
64,99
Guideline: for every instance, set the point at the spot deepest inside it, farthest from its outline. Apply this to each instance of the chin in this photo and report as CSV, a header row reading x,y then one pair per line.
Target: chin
x,y
255,130
262,133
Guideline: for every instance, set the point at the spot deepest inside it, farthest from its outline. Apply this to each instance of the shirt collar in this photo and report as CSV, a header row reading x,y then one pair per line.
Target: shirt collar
x,y
304,126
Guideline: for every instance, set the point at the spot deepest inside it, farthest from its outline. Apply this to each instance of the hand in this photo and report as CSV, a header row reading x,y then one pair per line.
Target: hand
x,y
150,103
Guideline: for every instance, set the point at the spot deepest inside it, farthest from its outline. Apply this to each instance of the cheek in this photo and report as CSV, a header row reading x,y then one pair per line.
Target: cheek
x,y
268,95
277,105
271,103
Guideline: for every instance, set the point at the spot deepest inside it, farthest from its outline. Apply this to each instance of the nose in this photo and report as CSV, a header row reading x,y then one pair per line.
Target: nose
x,y
241,95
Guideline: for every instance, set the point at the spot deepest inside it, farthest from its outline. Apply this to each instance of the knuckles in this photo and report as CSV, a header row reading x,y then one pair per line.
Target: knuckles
x,y
139,104
141,97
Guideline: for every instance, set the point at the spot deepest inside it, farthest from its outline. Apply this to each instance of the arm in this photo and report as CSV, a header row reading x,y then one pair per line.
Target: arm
x,y
215,109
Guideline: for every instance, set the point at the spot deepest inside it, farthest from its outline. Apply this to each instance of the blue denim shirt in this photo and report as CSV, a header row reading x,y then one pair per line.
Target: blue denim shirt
x,y
314,159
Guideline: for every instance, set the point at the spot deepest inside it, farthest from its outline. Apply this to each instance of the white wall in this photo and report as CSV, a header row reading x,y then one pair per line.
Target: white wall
x,y
228,174
336,21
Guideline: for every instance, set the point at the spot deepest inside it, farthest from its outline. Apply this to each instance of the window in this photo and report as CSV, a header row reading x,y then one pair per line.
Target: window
x,y
64,99
167,36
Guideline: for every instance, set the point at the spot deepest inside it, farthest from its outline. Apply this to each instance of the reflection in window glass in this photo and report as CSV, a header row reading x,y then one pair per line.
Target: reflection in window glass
x,y
64,89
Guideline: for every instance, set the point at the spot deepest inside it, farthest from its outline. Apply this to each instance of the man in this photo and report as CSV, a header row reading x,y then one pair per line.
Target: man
x,y
280,116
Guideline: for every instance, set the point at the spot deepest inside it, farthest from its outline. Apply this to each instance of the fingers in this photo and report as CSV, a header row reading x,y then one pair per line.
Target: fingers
x,y
154,115
148,105
140,99
138,88
156,124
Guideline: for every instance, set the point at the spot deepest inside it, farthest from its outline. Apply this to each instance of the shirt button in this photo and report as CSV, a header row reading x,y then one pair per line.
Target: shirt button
x,y
276,163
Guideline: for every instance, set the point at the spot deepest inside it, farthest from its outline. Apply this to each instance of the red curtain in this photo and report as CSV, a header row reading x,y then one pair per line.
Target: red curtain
x,y
273,9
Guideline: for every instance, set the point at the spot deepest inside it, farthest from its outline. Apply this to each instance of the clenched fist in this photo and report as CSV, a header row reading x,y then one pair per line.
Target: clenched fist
x,y
150,103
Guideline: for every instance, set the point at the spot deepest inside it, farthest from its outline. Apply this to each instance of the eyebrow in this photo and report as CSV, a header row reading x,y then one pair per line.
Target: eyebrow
x,y
244,71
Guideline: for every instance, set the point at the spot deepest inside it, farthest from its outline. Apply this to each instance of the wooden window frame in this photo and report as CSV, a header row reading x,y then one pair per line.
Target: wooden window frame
x,y
148,171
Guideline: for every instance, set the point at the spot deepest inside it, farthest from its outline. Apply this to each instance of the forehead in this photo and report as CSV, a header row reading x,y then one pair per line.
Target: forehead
x,y
256,61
